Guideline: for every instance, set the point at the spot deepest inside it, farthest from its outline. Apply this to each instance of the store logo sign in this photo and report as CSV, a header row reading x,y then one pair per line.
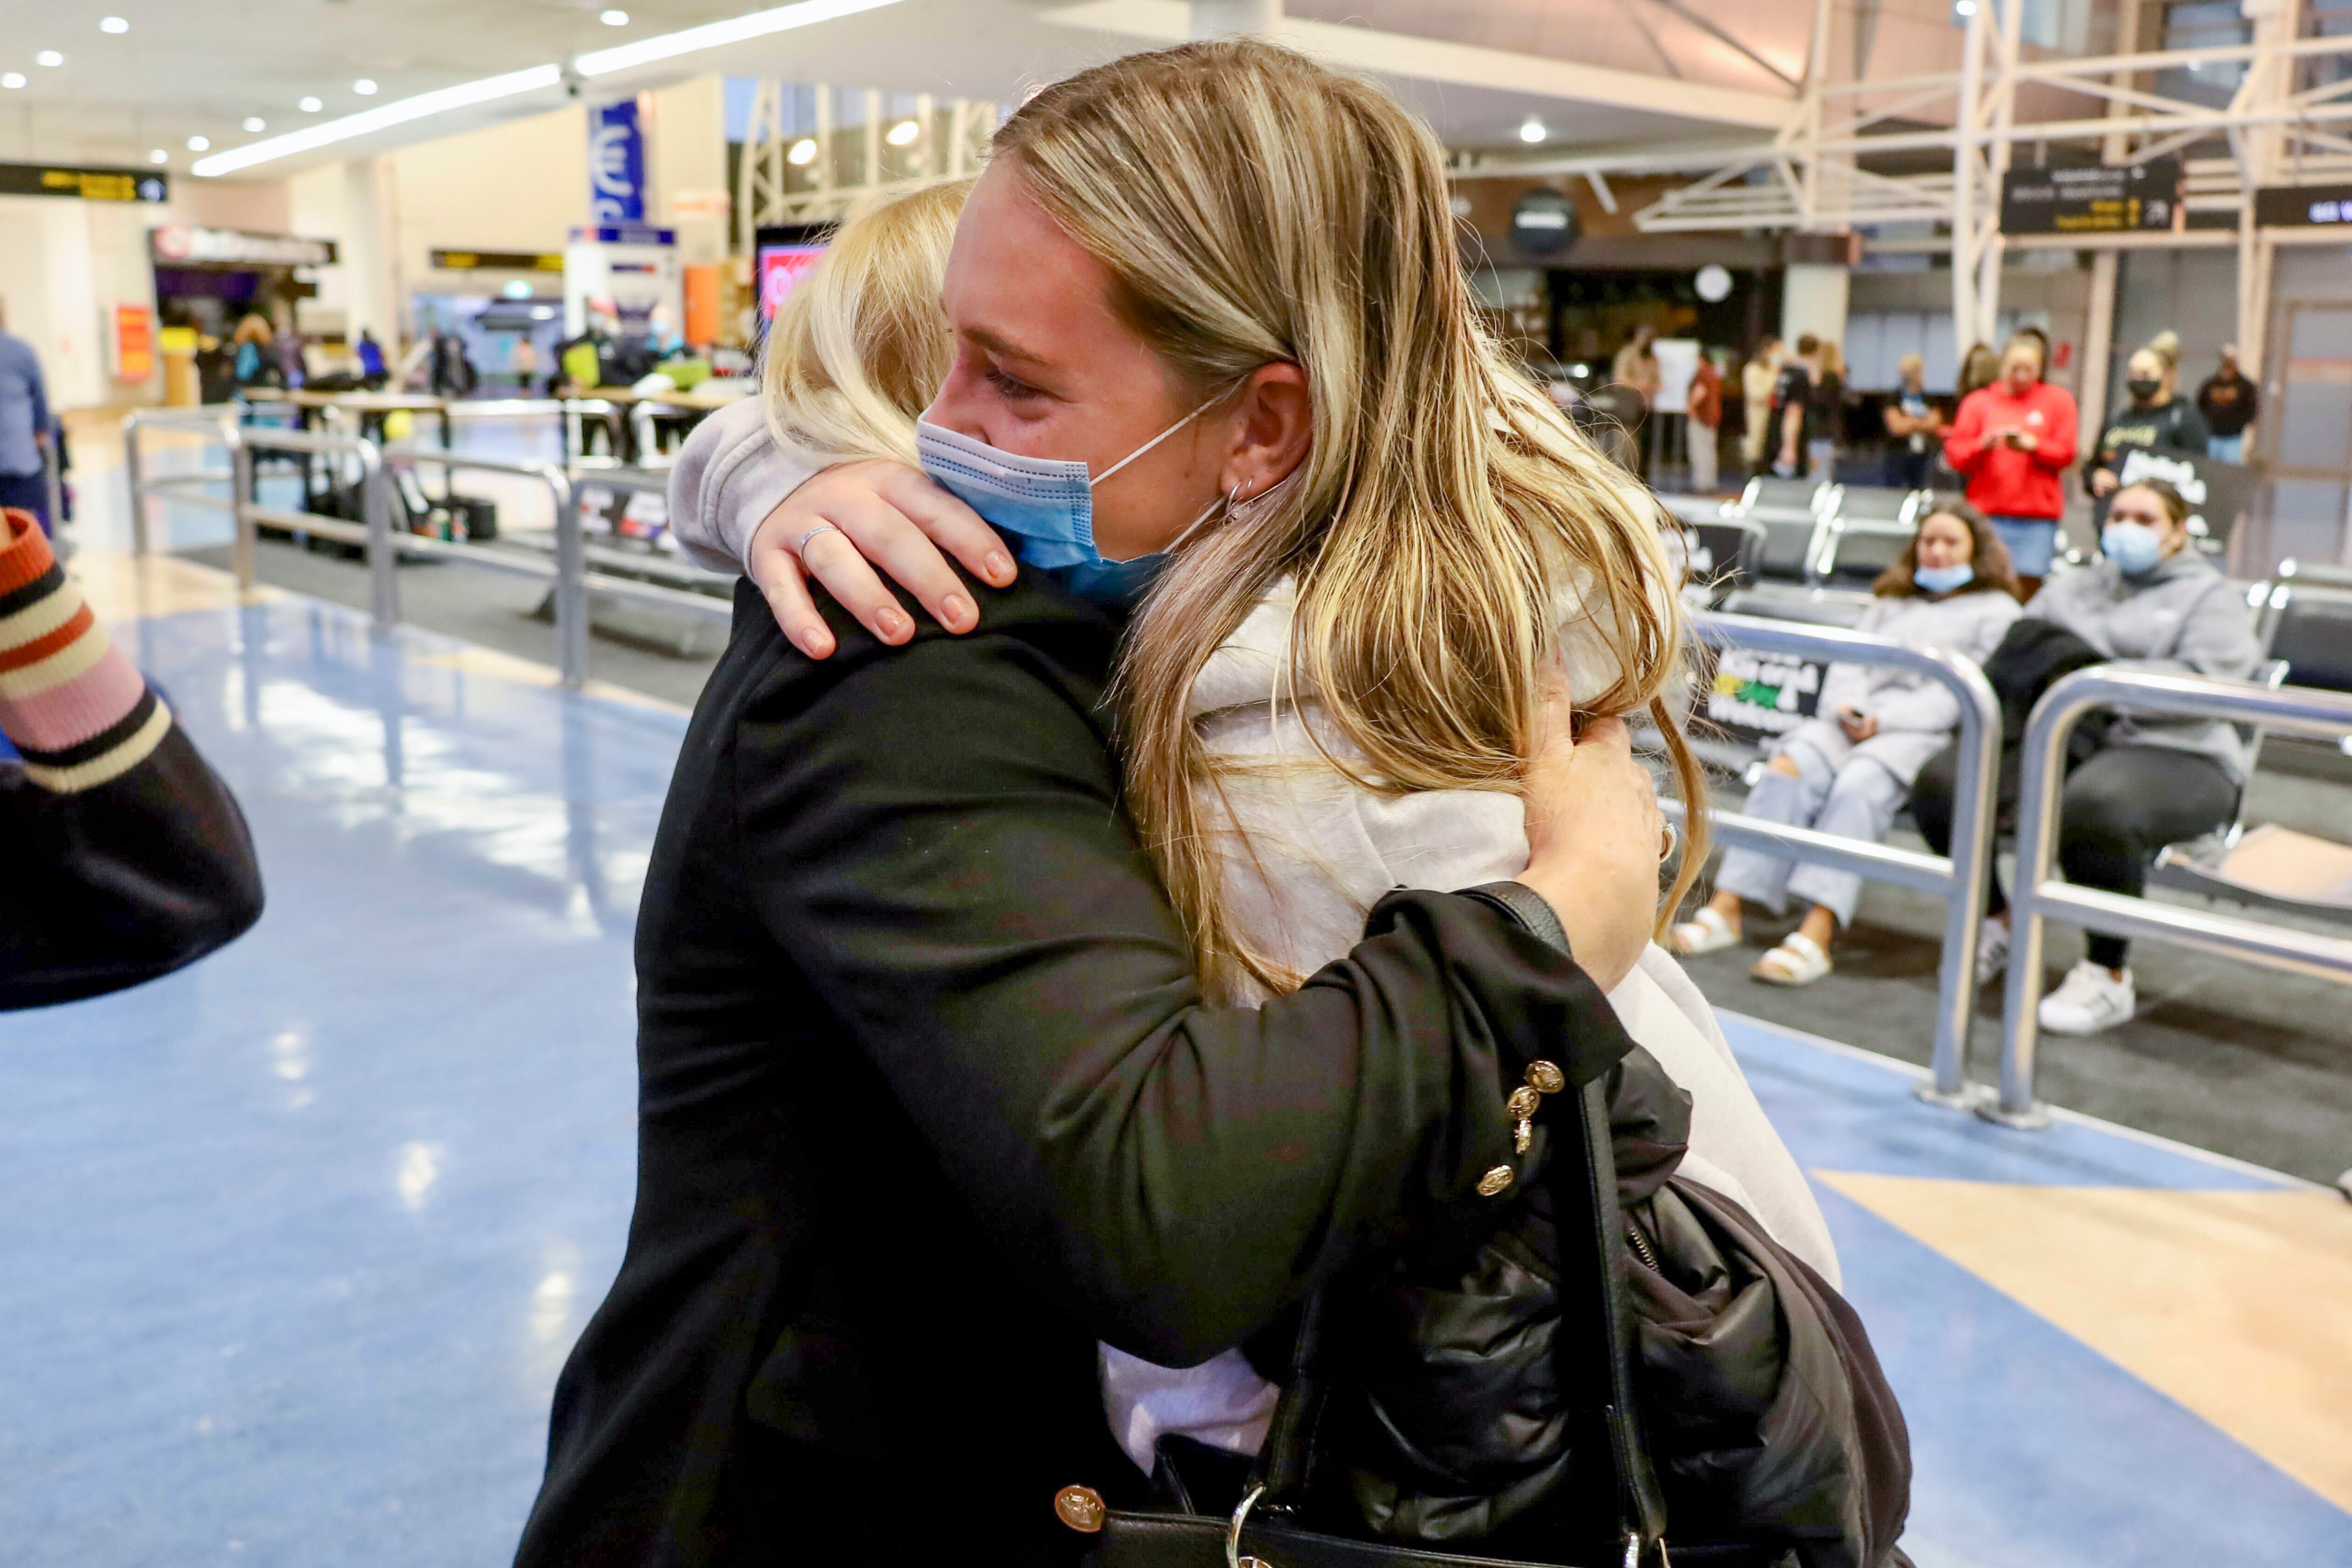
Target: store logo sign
x,y
616,164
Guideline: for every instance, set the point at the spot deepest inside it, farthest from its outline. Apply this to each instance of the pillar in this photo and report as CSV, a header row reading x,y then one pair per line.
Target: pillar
x,y
1222,18
2099,348
1813,299
365,249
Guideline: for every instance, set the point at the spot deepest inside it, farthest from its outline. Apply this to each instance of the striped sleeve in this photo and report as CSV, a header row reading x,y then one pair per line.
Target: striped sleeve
x,y
70,702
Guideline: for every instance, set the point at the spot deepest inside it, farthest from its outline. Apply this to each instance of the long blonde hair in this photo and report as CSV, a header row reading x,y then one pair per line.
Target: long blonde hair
x,y
858,349
1252,206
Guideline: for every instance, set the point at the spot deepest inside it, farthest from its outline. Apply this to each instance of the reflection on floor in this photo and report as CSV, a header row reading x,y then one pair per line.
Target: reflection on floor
x,y
299,1236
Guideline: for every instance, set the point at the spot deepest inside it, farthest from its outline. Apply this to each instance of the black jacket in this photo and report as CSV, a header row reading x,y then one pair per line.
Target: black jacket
x,y
2174,426
930,1103
112,886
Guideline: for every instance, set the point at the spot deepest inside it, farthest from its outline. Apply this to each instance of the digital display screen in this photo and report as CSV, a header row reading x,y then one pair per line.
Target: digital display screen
x,y
782,267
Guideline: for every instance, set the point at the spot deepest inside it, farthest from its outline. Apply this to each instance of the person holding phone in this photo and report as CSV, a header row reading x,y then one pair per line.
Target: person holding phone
x,y
2011,443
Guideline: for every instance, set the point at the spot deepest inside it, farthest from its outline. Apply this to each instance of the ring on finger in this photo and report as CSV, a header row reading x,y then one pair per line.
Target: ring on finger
x,y
801,548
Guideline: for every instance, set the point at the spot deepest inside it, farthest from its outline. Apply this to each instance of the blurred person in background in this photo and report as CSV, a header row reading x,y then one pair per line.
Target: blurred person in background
x,y
1794,410
1828,411
1980,367
1849,769
2157,419
1705,431
24,427
1636,366
2229,401
1915,424
254,354
1756,380
125,856
369,353
2135,782
2011,441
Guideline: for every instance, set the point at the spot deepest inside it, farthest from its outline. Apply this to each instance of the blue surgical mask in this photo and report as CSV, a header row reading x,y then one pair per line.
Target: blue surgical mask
x,y
1047,505
1943,578
2134,548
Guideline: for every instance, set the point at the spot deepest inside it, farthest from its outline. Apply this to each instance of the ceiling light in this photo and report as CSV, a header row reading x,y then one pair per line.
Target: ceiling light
x,y
804,152
613,18
400,111
310,106
157,155
903,132
714,34
253,123
12,80
112,25
364,87
1532,129
48,57
199,143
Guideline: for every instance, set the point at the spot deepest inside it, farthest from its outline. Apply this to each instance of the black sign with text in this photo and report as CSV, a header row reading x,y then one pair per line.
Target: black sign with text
x,y
86,185
2098,199
2303,206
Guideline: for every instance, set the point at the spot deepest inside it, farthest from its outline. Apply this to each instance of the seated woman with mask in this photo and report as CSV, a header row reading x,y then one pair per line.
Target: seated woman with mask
x,y
1848,770
2151,601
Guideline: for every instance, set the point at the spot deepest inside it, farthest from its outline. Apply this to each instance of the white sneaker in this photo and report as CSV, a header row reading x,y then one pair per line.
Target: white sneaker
x,y
2090,1000
1993,950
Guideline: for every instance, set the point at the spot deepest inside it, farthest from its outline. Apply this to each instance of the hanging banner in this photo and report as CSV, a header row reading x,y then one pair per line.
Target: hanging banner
x,y
2099,199
616,164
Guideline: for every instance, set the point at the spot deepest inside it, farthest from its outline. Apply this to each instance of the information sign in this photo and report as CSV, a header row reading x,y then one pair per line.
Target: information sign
x,y
2099,199
87,184
616,164
498,260
2303,206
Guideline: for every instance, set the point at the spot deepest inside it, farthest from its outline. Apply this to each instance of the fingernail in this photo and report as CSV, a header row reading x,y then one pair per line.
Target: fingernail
x,y
1000,567
957,609
893,623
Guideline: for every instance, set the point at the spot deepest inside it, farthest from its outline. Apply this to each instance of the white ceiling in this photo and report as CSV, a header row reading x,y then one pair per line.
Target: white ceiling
x,y
201,67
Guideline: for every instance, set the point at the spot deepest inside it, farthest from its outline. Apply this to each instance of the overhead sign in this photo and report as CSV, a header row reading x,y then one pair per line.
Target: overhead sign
x,y
1543,223
86,185
498,260
616,164
192,244
2303,206
2101,199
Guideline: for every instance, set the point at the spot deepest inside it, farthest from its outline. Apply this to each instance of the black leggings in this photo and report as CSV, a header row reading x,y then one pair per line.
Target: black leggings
x,y
2120,807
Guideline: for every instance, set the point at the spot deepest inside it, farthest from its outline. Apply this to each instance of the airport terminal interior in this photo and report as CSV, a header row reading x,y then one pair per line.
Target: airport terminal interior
x,y
354,349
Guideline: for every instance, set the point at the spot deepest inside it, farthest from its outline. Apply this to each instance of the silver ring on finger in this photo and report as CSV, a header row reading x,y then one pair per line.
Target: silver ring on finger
x,y
1667,840
801,550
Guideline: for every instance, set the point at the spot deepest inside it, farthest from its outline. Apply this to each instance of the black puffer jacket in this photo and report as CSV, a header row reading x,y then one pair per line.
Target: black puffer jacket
x,y
1767,1418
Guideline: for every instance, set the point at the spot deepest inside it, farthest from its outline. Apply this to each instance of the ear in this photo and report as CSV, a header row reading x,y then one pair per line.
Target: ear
x,y
1273,426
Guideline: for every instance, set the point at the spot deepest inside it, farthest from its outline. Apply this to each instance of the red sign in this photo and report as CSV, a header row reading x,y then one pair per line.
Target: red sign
x,y
782,267
134,343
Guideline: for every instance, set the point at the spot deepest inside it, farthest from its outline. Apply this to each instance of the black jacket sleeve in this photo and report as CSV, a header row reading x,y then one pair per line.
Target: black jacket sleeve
x,y
114,885
935,839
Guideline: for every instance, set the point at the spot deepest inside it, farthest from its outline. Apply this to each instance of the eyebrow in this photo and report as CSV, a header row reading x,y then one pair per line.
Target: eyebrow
x,y
1002,346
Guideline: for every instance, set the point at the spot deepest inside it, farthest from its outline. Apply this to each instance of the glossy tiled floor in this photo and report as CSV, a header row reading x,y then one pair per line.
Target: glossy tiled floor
x,y
300,1237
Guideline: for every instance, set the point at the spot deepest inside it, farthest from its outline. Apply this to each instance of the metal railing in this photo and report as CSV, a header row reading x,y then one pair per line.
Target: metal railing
x,y
567,572
1961,879
2297,710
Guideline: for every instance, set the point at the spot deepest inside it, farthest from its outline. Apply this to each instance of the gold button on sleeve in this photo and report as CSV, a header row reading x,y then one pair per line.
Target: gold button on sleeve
x,y
1524,1103
1494,1181
1080,1507
1547,1077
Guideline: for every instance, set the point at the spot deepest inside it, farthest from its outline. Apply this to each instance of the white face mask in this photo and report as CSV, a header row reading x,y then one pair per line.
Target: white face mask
x,y
1047,505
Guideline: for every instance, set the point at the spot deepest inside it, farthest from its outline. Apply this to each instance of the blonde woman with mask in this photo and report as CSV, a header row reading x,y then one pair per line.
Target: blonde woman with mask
x,y
931,1098
1320,695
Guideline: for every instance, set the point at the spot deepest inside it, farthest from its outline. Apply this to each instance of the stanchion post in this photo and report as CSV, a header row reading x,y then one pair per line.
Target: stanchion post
x,y
2040,780
242,525
383,561
134,470
571,580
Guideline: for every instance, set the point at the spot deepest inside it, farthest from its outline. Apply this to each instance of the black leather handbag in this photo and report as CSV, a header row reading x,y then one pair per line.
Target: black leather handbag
x,y
1595,1352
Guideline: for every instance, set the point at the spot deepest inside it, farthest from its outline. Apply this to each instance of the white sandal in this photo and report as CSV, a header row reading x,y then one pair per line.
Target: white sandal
x,y
1706,932
1797,961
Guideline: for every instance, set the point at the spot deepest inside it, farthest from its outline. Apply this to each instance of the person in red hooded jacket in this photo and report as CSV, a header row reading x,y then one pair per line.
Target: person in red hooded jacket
x,y
2012,441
